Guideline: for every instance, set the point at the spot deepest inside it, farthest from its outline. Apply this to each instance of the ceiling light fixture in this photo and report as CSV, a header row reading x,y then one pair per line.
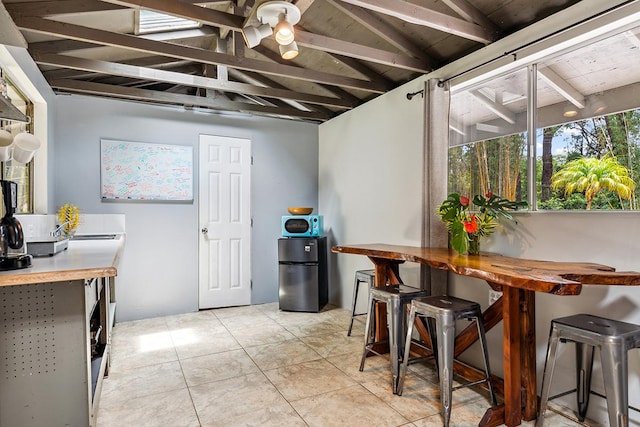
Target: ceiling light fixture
x,y
279,15
570,111
284,31
253,35
598,107
289,51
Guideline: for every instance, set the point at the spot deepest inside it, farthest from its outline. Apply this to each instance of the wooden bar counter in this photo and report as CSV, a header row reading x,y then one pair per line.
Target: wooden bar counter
x,y
518,279
83,259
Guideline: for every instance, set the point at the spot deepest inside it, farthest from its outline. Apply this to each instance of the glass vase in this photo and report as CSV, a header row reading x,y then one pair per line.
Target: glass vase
x,y
474,245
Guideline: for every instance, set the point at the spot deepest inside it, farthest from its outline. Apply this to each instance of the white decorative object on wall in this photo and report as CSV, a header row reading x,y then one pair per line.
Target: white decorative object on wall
x,y
138,171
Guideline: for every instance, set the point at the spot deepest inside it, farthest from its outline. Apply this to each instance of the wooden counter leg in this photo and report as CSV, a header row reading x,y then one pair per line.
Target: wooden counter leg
x,y
512,366
380,315
528,354
519,361
386,271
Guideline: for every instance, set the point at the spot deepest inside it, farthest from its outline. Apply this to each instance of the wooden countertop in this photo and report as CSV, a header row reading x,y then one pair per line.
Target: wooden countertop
x,y
540,276
83,259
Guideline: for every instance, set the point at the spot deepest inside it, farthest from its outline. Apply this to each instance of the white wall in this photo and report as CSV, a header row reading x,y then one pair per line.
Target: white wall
x,y
159,271
371,180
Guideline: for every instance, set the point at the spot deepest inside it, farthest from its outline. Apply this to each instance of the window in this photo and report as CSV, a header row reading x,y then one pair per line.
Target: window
x,y
488,138
589,126
587,142
155,22
11,170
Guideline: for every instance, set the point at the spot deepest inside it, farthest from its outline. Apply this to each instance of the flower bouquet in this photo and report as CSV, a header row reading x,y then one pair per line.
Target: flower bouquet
x,y
69,218
467,228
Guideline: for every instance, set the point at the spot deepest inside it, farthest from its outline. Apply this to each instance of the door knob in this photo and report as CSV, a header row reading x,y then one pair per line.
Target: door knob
x,y
204,230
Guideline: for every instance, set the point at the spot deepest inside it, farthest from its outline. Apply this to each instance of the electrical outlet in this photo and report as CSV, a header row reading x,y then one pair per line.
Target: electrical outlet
x,y
494,296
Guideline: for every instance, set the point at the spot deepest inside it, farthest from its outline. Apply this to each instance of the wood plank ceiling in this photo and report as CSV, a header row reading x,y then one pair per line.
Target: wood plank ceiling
x,y
350,51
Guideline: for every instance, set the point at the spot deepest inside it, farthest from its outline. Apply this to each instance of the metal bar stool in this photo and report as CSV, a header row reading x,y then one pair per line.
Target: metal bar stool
x,y
444,311
366,276
614,339
397,298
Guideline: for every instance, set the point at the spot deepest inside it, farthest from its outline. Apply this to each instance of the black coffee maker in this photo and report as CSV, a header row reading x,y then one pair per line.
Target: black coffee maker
x,y
11,235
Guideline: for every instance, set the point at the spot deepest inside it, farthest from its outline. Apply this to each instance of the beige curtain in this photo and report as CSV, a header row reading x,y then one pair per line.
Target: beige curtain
x,y
436,172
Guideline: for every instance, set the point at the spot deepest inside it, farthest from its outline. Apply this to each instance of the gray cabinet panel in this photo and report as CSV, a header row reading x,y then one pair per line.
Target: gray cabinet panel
x,y
45,353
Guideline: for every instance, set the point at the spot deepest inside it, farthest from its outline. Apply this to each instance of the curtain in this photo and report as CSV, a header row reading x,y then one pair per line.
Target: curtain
x,y
436,172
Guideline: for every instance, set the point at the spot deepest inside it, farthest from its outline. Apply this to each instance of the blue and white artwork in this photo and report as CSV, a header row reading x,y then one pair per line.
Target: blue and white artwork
x,y
143,171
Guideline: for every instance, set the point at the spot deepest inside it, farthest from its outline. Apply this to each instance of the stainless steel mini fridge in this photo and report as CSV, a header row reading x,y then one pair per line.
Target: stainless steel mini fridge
x,y
302,274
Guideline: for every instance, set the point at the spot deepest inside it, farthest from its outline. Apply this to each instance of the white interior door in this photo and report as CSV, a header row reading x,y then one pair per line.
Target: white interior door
x,y
225,221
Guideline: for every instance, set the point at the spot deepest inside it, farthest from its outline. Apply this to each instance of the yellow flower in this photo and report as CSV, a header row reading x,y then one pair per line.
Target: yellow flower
x,y
69,217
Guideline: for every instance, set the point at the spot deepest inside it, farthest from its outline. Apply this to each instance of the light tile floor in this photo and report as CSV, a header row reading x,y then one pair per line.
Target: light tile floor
x,y
259,366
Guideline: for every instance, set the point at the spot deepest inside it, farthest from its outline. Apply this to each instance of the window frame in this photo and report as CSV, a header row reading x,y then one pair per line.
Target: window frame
x,y
11,126
474,78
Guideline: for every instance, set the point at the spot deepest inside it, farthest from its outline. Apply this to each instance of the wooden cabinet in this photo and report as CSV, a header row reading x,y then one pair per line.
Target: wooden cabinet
x,y
55,341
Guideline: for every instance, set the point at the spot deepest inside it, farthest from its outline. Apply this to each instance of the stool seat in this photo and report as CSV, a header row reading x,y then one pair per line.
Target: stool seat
x,y
397,298
444,311
613,338
362,276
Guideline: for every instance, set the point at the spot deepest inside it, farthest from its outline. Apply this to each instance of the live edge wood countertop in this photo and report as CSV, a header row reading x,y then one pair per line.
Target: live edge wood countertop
x,y
561,278
83,259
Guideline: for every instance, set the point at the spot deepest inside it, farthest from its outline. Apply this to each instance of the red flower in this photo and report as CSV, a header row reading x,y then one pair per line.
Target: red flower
x,y
472,225
489,195
464,201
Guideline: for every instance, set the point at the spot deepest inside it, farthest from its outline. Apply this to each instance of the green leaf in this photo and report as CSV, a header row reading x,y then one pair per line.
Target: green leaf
x,y
459,238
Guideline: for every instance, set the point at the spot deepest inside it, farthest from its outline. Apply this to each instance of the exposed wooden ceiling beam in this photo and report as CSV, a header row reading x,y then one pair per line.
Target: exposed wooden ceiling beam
x,y
484,127
156,62
363,69
229,21
61,46
9,33
303,38
335,90
469,13
177,37
187,11
420,15
60,7
499,109
260,80
100,89
131,71
561,86
328,44
382,30
303,5
46,26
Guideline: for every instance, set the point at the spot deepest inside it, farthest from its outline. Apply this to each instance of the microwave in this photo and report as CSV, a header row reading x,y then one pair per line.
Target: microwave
x,y
302,226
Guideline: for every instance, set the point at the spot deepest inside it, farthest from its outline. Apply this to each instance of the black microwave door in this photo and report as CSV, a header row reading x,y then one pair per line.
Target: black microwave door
x,y
297,250
296,225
